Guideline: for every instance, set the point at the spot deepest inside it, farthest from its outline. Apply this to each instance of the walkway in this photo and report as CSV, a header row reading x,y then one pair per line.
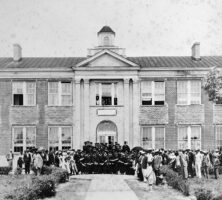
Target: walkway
x,y
108,187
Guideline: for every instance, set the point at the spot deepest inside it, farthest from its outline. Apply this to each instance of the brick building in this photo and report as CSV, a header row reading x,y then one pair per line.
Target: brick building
x,y
106,97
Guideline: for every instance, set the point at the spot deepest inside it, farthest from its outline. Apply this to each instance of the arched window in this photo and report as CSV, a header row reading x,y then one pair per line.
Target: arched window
x,y
106,41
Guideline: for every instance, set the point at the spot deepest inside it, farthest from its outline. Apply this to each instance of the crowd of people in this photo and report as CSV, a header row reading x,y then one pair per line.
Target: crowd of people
x,y
188,163
117,159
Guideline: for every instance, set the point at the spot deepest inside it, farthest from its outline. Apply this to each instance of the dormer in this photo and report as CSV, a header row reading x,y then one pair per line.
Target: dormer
x,y
106,37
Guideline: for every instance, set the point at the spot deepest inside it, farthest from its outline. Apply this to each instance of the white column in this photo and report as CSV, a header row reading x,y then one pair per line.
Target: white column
x,y
126,110
86,110
136,107
77,122
189,137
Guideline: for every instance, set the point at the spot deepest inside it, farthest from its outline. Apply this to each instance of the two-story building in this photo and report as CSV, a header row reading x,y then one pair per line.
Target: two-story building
x,y
156,102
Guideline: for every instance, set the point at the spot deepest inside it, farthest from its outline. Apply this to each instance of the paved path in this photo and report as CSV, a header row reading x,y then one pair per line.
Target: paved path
x,y
108,187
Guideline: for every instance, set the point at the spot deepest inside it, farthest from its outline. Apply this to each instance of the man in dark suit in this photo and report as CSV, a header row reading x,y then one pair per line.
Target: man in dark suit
x,y
27,161
125,147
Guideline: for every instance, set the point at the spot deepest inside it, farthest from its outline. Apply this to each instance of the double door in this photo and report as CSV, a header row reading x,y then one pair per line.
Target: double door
x,y
109,139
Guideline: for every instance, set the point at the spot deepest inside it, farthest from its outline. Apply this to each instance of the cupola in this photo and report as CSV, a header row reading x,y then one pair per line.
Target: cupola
x,y
106,36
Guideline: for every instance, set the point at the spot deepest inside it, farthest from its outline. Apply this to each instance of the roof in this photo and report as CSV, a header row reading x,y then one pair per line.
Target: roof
x,y
144,62
41,62
176,62
106,29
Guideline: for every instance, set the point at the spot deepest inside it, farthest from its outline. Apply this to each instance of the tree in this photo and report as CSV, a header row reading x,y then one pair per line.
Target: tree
x,y
213,85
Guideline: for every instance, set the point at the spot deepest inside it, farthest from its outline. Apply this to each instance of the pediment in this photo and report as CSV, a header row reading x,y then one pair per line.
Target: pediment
x,y
107,59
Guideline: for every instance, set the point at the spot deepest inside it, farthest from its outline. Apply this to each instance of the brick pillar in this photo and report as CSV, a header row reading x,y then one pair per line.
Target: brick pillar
x,y
86,110
126,110
171,138
136,106
77,122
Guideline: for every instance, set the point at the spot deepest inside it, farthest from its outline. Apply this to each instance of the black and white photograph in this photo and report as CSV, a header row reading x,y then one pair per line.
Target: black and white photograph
x,y
111,99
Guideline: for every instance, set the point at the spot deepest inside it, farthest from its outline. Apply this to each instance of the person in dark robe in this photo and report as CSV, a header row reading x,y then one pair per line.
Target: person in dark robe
x,y
27,160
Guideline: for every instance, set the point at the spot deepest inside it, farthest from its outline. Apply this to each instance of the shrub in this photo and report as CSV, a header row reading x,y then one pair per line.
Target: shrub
x,y
18,171
218,197
60,175
175,180
44,186
41,187
203,194
5,170
211,170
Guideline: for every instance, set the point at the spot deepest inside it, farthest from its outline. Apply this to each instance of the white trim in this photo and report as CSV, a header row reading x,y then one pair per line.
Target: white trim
x,y
106,52
189,134
153,135
24,92
60,135
24,132
188,85
152,91
60,94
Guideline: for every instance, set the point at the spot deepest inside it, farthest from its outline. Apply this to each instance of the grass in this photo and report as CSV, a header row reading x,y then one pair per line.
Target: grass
x,y
10,182
209,184
159,192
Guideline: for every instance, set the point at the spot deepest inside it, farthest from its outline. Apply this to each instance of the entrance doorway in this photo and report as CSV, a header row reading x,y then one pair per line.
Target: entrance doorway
x,y
106,132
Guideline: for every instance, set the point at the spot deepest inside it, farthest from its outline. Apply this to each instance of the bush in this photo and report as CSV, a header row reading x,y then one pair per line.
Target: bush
x,y
218,197
41,187
5,170
47,170
203,194
44,186
18,171
211,170
60,175
175,180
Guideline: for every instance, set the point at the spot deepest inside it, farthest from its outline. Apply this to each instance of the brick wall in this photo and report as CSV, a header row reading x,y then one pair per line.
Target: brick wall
x,y
5,129
153,115
208,136
171,100
58,115
190,114
24,115
42,100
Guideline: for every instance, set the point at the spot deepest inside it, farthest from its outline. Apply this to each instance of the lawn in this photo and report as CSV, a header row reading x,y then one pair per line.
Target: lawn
x,y
74,189
159,192
10,182
212,184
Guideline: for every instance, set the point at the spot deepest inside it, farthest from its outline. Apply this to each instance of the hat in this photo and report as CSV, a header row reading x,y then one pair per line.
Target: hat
x,y
142,152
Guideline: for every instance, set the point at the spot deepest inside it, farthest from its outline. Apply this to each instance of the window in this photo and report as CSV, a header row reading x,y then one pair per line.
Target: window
x,y
153,137
189,92
106,41
106,94
153,92
189,137
182,138
60,138
23,138
59,94
24,93
219,99
218,136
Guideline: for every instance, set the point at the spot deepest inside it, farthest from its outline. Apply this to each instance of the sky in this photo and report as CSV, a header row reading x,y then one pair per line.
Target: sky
x,y
67,28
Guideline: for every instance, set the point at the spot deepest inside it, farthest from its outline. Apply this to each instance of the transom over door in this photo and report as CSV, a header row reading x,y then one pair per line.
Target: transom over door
x,y
106,132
